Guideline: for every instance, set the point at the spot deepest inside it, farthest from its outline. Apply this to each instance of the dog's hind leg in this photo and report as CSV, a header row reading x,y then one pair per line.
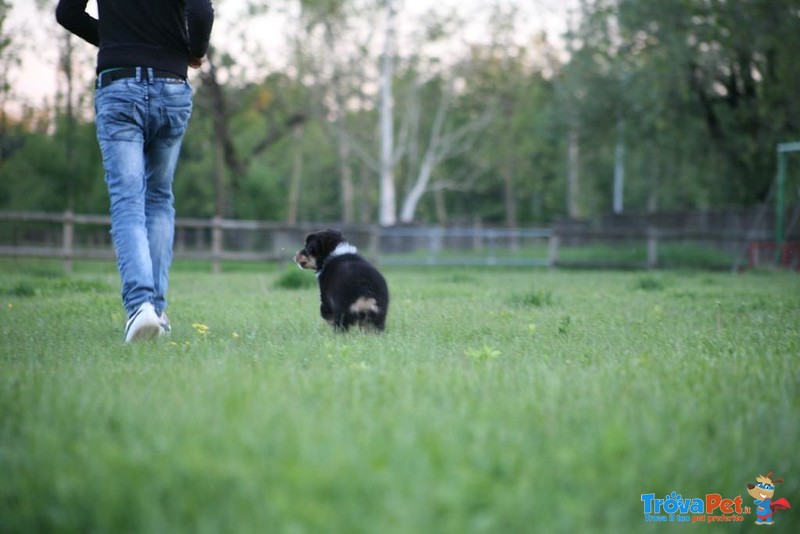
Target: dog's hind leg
x,y
378,321
342,321
326,312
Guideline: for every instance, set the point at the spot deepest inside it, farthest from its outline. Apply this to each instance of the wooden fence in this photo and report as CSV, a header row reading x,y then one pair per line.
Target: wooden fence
x,y
33,234
68,236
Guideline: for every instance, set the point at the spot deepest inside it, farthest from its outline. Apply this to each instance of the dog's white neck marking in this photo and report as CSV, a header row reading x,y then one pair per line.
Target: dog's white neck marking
x,y
341,249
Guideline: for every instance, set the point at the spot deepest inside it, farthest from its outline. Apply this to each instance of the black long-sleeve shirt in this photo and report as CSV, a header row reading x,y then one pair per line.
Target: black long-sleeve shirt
x,y
162,34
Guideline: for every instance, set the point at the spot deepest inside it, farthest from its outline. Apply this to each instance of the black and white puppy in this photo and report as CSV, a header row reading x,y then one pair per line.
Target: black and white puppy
x,y
352,291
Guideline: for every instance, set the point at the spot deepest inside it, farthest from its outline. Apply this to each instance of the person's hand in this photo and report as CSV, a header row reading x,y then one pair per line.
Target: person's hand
x,y
195,62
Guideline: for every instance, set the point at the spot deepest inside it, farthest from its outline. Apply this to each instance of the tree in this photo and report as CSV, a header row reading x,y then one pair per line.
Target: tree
x,y
9,60
704,98
444,141
333,49
235,159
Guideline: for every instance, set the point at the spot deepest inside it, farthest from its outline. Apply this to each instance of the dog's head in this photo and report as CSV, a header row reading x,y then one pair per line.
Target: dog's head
x,y
319,246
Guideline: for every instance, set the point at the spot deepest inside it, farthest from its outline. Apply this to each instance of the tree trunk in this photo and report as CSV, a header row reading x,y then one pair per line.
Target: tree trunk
x,y
365,196
346,180
388,209
619,167
297,177
509,196
573,173
66,67
224,151
346,188
420,186
653,179
441,206
219,179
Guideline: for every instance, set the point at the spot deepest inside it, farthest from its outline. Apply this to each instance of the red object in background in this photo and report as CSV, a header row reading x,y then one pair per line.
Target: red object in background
x,y
789,254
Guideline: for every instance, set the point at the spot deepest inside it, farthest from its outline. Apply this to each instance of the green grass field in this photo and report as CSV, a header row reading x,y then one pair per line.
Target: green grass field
x,y
509,400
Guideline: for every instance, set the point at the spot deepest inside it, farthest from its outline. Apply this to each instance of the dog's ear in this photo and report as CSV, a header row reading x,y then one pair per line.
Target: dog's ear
x,y
335,234
312,244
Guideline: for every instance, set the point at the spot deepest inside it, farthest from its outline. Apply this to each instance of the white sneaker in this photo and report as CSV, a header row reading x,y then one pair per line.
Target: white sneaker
x,y
143,325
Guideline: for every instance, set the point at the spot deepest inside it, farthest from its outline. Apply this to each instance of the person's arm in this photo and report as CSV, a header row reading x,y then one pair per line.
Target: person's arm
x,y
72,15
199,20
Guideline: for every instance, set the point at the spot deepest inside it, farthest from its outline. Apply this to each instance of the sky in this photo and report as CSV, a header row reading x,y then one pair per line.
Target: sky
x,y
35,81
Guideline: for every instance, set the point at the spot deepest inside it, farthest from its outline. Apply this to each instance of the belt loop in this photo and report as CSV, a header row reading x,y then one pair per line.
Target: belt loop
x,y
151,75
138,74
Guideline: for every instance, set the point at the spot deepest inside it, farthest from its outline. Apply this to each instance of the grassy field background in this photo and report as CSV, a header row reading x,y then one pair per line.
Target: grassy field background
x,y
499,400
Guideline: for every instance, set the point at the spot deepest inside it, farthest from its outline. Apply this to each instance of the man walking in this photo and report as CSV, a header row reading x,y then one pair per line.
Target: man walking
x,y
143,103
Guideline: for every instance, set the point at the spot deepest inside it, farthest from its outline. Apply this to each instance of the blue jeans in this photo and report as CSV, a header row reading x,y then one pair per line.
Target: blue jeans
x,y
140,127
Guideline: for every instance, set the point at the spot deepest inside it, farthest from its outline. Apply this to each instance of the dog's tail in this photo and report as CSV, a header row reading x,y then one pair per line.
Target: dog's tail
x,y
368,312
365,306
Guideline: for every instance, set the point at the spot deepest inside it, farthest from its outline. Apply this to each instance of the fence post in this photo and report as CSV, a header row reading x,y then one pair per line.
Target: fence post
x,y
374,241
652,248
477,235
435,238
552,249
68,238
492,238
216,245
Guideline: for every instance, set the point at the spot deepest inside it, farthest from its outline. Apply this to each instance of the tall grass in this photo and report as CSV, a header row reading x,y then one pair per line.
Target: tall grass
x,y
497,401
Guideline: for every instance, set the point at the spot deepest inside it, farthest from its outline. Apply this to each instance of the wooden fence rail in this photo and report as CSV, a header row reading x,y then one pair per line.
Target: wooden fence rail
x,y
218,240
56,235
284,239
